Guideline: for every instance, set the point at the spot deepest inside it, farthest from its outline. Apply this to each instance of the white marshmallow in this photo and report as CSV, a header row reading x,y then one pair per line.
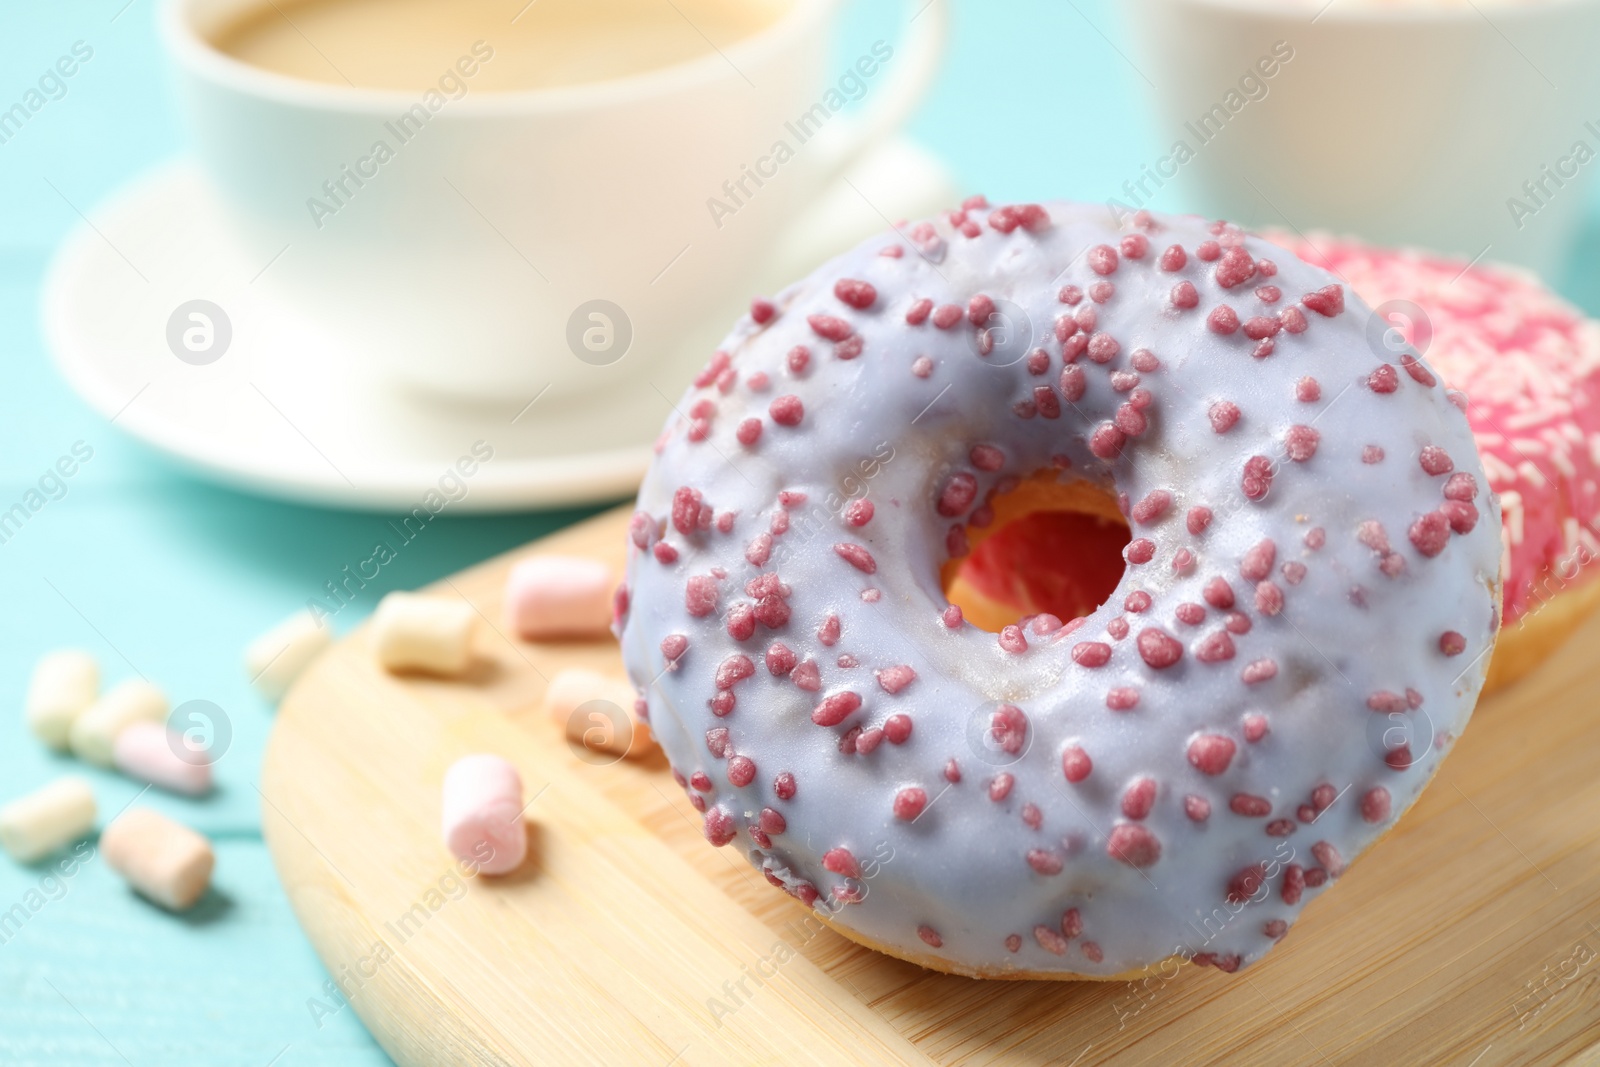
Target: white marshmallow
x,y
149,751
598,729
482,813
423,633
559,596
276,658
65,683
94,733
165,861
34,826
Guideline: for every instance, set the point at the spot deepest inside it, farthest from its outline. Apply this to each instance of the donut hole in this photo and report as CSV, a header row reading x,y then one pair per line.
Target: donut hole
x,y
1052,548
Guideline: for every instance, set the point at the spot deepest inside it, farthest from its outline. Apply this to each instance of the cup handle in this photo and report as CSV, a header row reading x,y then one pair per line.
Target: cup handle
x,y
922,49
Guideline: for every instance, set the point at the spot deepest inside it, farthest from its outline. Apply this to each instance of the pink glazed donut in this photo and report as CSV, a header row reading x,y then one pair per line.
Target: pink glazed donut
x,y
1294,640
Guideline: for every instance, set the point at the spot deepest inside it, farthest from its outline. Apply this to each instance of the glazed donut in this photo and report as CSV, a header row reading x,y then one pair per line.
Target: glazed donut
x,y
1296,639
1529,364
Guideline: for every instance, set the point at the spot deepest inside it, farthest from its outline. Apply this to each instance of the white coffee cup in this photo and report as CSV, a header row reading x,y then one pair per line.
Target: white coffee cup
x,y
1407,123
504,223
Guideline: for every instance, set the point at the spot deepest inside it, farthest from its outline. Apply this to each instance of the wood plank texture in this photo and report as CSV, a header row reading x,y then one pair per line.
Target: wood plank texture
x,y
1470,934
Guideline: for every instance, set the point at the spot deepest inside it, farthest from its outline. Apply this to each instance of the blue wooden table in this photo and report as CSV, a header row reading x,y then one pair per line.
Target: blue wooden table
x,y
168,576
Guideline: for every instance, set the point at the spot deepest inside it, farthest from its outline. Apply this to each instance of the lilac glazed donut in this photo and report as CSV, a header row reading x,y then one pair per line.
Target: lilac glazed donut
x,y
1287,646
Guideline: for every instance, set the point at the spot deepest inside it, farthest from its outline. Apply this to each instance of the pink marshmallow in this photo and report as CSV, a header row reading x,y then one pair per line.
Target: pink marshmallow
x,y
483,814
559,596
149,751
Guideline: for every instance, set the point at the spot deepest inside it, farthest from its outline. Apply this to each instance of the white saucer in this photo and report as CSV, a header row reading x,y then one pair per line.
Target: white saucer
x,y
281,414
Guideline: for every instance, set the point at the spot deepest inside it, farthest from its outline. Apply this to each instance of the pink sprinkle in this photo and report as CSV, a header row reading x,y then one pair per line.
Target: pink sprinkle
x,y
1383,380
1197,808
1137,601
946,316
1135,245
1235,268
1122,698
952,771
1107,440
1255,726
1269,294
780,659
741,771
835,708
1158,648
1269,598
894,679
1044,861
957,495
799,356
1375,804
1091,654
1211,753
1223,320
1436,461
1050,941
919,311
1329,857
1139,550
1257,563
1256,481
1300,443
1452,643
858,512
909,803
1208,250
841,862
951,617
1293,319
1000,787
1152,507
1091,952
922,366
930,935
1294,883
1250,806
762,311
1012,640
857,556
1174,258
1198,519
1430,533
787,410
1461,486
784,787
1372,454
1224,415
979,308
1139,798
1260,671
1327,301
1185,296
734,669
719,827
1216,647
1133,845
867,740
830,327
1102,259
700,595
1219,594
664,552
808,677
857,294
1075,764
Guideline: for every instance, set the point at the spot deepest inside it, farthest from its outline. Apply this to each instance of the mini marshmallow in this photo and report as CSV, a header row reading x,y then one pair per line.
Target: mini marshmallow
x,y
47,819
64,684
166,862
276,658
148,751
423,633
559,596
482,814
94,733
598,729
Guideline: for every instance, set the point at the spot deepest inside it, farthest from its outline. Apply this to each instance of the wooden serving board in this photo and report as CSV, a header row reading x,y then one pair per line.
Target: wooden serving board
x,y
1469,935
